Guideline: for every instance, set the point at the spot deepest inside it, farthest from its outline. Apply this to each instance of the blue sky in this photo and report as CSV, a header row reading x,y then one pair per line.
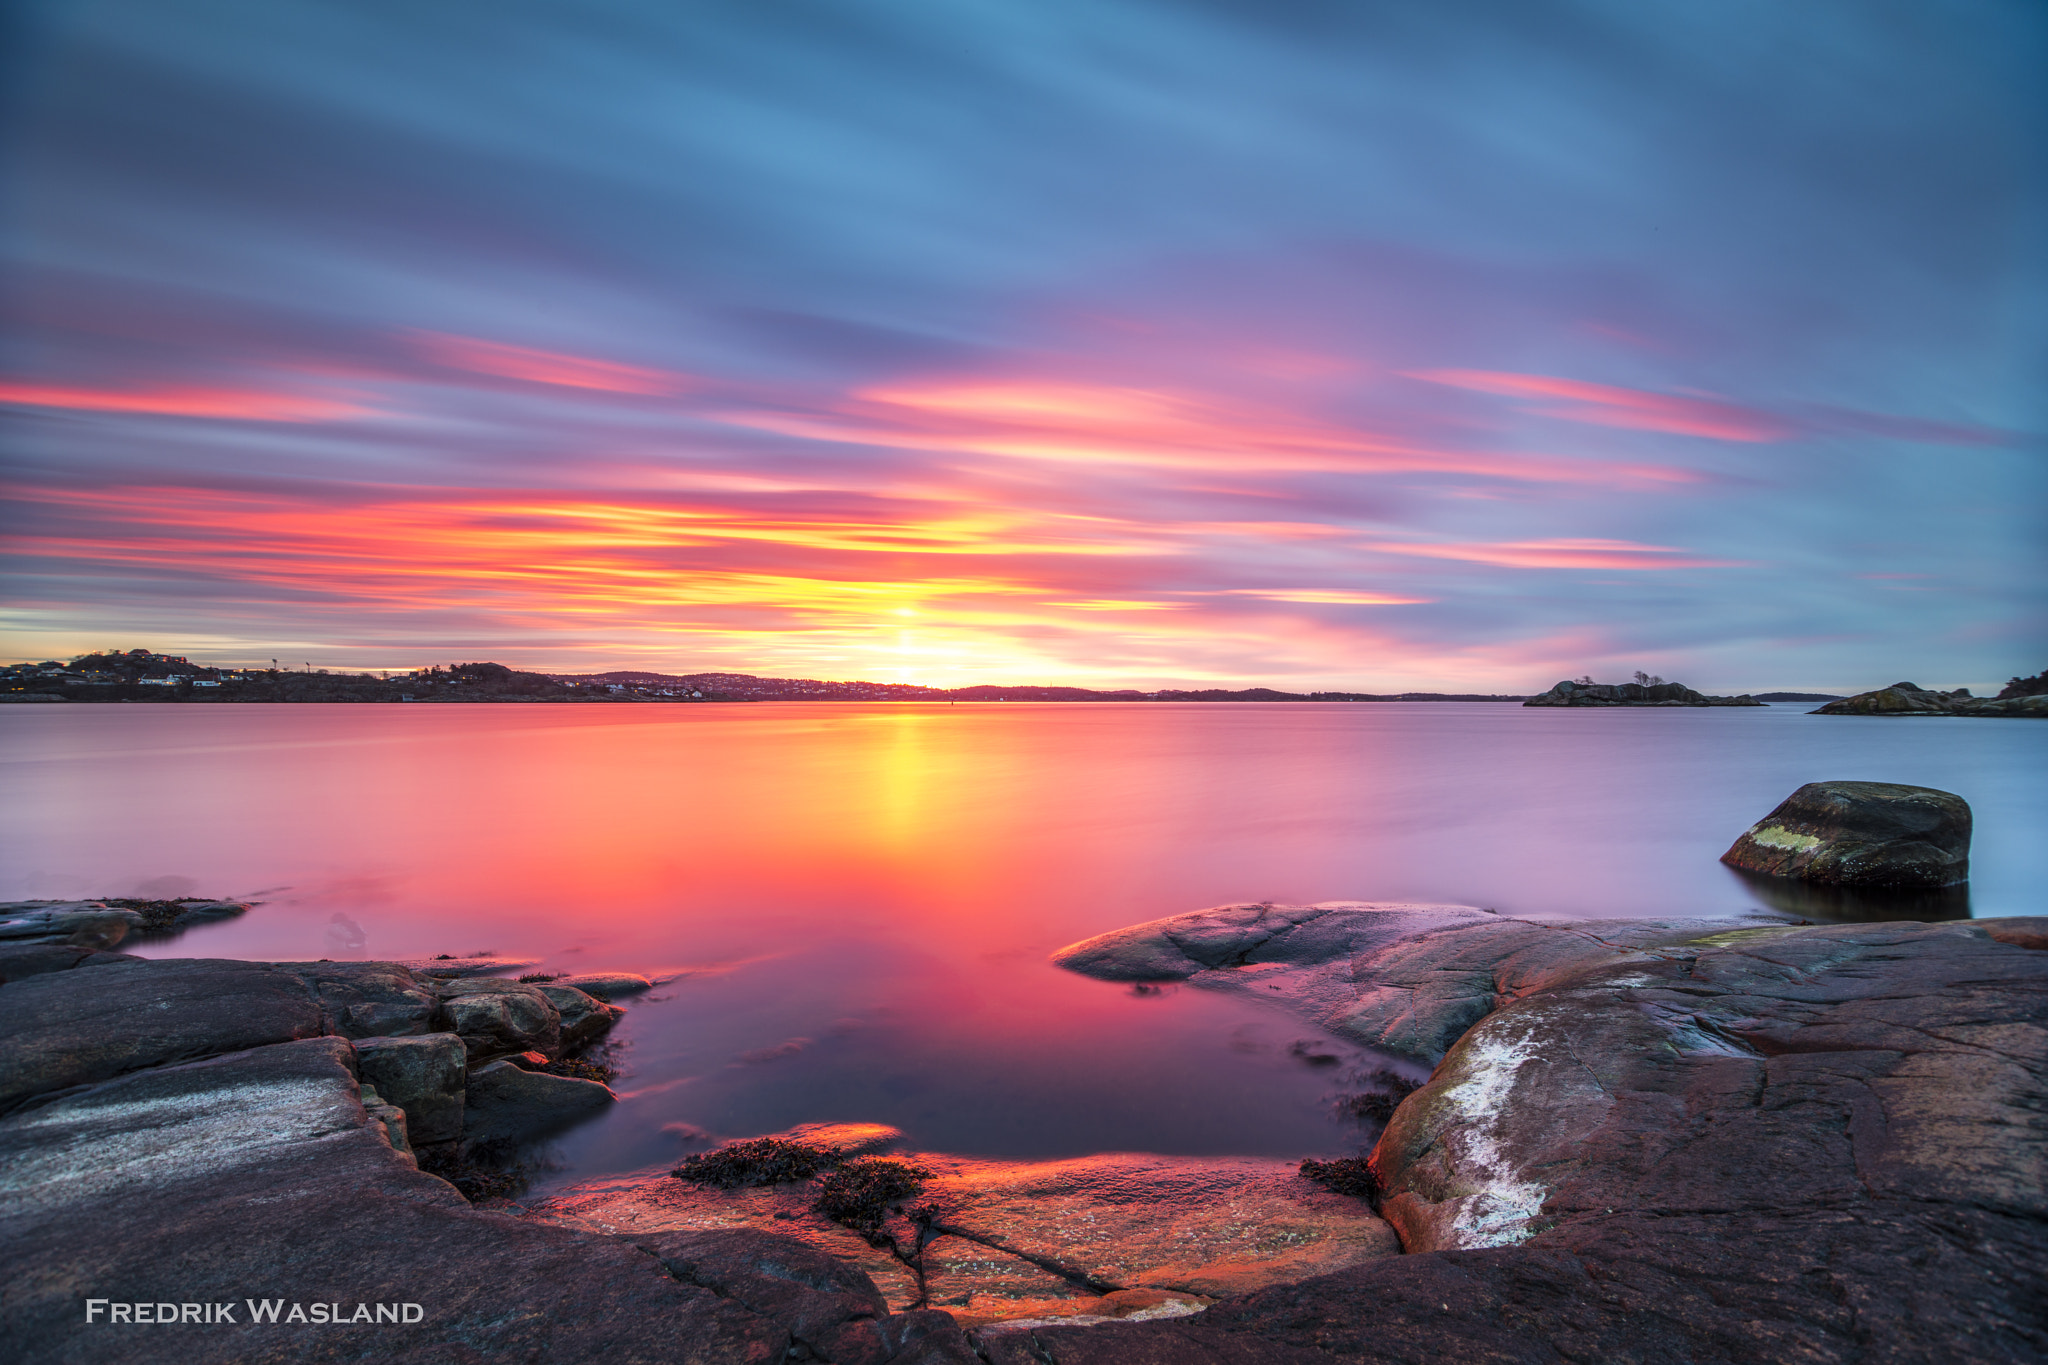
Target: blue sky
x,y
1318,345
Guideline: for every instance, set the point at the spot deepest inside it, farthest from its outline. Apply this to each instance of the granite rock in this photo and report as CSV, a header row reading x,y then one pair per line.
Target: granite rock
x,y
495,1016
584,1018
425,1076
1909,699
69,1028
506,1104
606,985
1785,1143
1878,835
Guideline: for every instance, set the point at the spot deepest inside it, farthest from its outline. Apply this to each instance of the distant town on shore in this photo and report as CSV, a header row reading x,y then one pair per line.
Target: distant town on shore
x,y
142,675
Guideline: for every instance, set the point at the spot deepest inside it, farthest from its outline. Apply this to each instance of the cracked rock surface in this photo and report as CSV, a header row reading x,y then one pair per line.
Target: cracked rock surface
x,y
200,1133
1027,1239
1670,1142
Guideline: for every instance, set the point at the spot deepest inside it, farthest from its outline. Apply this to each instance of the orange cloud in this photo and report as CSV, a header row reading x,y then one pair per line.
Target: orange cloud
x,y
1324,596
1104,424
1609,406
241,405
545,367
1559,554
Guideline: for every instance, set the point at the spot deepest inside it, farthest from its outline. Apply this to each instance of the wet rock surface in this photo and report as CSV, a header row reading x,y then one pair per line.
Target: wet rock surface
x,y
1908,699
1647,1141
505,1103
607,985
495,1017
424,1076
183,1166
994,1240
1688,1143
1878,835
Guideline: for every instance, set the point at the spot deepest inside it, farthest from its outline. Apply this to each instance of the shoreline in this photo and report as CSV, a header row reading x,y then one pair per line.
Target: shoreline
x,y
1579,1036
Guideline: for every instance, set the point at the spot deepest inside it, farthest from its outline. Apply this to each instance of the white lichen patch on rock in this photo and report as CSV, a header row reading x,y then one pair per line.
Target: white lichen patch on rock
x,y
1498,1212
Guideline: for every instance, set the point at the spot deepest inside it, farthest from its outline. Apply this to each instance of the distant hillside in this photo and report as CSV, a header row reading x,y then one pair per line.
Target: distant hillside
x,y
747,687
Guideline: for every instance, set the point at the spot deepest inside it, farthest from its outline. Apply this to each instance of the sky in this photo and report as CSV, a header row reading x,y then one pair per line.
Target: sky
x,y
1465,346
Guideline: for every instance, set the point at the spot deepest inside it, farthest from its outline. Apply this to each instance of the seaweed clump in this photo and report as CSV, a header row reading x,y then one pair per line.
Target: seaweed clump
x,y
859,1194
539,978
757,1161
578,1069
1352,1175
473,1180
1380,1104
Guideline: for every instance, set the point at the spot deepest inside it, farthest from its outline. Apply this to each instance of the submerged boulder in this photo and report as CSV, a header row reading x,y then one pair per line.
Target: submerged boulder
x,y
1864,834
606,985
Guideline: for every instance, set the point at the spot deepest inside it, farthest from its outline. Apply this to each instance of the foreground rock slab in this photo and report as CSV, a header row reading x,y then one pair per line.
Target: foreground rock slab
x,y
134,1176
1880,835
1040,1238
1672,1143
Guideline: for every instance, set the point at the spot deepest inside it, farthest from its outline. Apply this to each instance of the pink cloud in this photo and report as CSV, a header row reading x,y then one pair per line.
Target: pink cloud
x,y
242,405
1104,424
1559,554
545,367
1610,406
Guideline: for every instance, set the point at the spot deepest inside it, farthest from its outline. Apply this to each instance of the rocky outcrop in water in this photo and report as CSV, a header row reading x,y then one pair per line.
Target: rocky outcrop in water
x,y
108,922
1632,694
1861,834
1910,699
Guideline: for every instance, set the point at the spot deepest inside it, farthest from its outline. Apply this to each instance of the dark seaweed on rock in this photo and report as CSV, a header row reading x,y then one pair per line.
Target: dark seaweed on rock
x,y
1381,1103
539,978
858,1194
1352,1175
577,1069
473,1180
757,1161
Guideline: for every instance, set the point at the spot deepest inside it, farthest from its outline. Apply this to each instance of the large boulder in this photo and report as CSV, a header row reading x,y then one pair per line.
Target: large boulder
x,y
496,1017
1226,936
1880,835
425,1076
607,985
505,1104
585,1018
371,999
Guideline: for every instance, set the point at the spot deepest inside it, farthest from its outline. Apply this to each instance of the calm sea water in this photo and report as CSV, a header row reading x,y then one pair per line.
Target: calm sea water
x,y
866,895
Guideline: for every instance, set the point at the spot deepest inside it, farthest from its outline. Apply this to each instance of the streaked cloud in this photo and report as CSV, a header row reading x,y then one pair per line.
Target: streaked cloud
x,y
544,367
1326,346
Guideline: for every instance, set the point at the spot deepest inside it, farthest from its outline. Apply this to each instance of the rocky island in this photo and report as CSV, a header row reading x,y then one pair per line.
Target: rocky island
x,y
1647,692
2026,698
